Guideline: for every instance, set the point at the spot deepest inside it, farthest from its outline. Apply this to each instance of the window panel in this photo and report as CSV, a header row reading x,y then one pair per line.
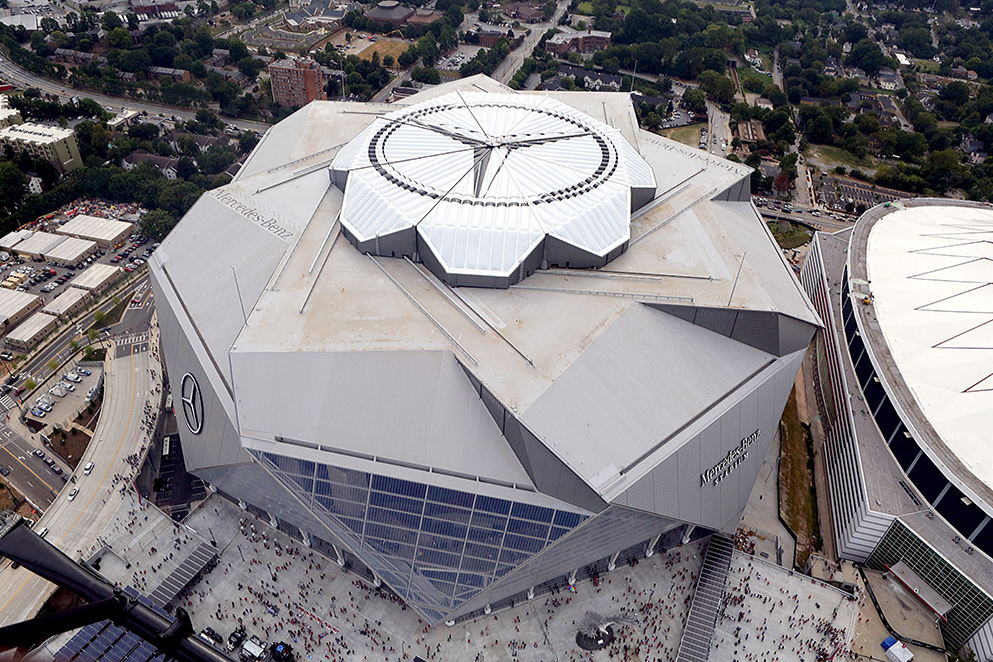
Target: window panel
x,y
523,543
394,502
394,518
568,520
482,551
557,533
398,486
489,522
444,528
485,535
435,557
491,505
428,541
536,513
515,558
451,513
451,497
390,533
524,527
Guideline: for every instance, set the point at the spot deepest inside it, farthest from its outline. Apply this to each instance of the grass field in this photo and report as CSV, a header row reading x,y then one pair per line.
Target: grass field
x,y
748,71
587,8
688,135
827,158
928,65
384,47
796,237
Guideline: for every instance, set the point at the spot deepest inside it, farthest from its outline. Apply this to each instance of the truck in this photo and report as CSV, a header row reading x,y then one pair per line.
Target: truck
x,y
896,651
253,649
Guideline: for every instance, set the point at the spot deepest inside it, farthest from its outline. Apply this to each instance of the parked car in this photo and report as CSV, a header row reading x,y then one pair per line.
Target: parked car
x,y
72,377
4,471
83,371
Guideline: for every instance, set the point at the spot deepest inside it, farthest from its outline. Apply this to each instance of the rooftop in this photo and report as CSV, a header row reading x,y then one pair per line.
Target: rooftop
x,y
95,276
12,302
928,268
95,227
70,249
37,133
561,341
65,301
27,329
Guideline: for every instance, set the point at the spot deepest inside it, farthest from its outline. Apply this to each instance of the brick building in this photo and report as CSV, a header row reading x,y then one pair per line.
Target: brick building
x,y
297,82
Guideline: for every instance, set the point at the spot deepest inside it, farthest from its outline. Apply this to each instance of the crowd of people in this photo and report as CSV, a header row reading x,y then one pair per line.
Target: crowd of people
x,y
767,619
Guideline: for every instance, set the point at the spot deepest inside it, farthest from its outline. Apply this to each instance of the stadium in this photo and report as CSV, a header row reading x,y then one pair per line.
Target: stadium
x,y
480,343
905,374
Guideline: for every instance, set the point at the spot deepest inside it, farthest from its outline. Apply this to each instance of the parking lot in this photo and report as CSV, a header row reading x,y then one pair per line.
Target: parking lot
x,y
48,280
837,191
62,399
460,56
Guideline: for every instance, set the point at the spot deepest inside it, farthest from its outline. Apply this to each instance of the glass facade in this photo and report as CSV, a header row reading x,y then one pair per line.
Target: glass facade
x,y
972,607
436,547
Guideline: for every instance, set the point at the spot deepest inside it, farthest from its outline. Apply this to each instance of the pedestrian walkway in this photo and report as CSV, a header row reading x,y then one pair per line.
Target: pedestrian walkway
x,y
6,402
699,631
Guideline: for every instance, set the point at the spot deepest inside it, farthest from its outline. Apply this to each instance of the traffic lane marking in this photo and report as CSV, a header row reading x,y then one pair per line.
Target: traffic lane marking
x,y
29,469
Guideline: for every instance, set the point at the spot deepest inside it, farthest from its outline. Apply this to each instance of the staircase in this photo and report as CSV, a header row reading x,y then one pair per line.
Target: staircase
x,y
706,605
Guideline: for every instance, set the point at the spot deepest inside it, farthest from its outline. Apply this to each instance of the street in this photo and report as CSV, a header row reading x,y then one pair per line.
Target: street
x,y
17,76
506,69
28,474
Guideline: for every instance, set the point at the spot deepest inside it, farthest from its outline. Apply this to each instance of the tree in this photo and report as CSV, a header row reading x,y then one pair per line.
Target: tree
x,y
52,365
695,100
13,188
157,224
110,20
119,38
178,196
73,345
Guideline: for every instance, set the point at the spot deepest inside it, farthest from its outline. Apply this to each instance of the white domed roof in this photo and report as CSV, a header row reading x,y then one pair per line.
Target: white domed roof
x,y
485,178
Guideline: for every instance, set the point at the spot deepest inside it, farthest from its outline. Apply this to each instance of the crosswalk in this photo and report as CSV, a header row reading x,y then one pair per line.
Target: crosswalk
x,y
132,338
6,402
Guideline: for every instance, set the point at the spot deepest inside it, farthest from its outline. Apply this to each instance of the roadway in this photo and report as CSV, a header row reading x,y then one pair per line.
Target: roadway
x,y
506,69
821,223
719,129
28,474
74,525
25,79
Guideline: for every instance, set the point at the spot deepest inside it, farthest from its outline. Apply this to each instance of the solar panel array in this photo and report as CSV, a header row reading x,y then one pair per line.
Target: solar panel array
x,y
106,642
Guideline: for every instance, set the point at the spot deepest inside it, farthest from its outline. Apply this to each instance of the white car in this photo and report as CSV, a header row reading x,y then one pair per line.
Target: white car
x,y
88,469
72,377
67,386
72,495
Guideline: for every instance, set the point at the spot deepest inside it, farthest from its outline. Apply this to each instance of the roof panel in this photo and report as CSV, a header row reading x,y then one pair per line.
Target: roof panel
x,y
486,176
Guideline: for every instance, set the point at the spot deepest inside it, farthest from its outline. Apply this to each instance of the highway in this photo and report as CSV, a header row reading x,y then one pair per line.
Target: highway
x,y
74,525
23,78
822,223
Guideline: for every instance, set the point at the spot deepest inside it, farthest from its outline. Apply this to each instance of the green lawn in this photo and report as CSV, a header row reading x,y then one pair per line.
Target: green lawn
x,y
827,157
928,65
587,8
688,135
747,70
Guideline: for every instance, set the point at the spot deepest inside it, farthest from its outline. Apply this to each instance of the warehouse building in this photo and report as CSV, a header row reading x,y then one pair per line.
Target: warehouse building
x,y
71,301
907,387
31,332
35,244
105,232
15,306
71,250
11,239
97,278
478,402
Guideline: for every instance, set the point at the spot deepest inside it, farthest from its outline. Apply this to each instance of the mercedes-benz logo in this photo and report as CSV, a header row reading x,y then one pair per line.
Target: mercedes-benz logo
x,y
192,399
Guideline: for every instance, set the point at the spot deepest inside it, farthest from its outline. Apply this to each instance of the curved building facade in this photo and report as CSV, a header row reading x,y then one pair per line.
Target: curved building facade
x,y
906,378
482,343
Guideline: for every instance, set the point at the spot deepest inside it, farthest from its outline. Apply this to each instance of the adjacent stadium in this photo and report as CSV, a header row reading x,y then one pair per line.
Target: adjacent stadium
x,y
480,343
905,373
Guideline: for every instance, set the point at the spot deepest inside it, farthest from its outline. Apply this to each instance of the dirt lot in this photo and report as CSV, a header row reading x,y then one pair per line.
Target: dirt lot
x,y
797,502
384,47
70,446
